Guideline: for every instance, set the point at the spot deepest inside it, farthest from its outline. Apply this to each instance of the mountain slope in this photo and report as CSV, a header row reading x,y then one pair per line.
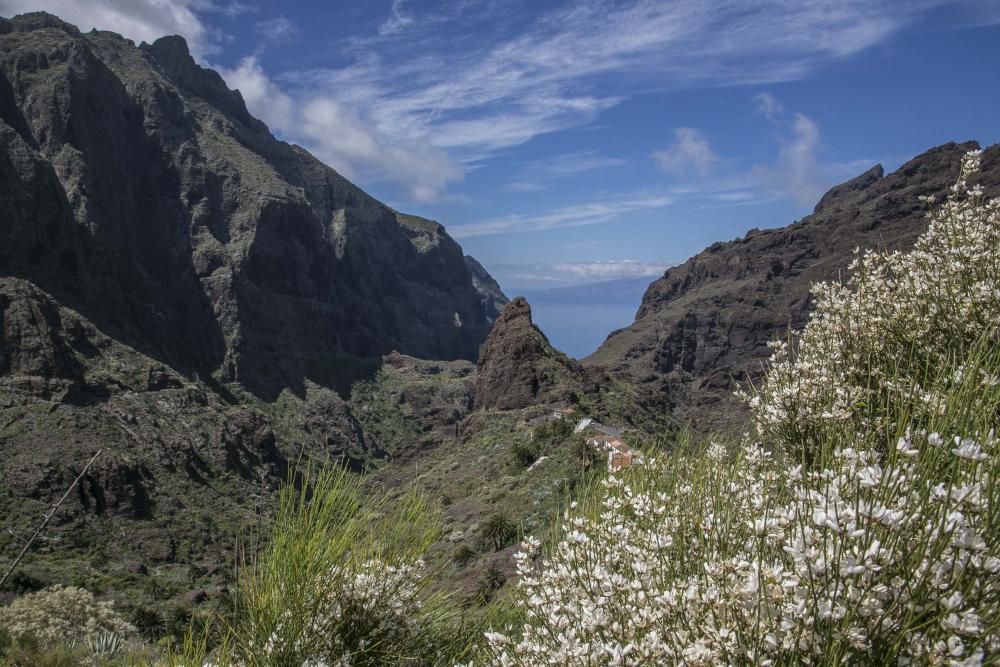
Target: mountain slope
x,y
706,323
188,294
137,188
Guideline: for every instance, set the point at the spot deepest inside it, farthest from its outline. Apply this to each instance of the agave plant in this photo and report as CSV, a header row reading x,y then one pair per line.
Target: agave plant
x,y
105,644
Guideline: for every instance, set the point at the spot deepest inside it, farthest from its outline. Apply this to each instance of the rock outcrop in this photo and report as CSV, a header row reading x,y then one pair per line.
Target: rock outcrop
x,y
518,367
705,324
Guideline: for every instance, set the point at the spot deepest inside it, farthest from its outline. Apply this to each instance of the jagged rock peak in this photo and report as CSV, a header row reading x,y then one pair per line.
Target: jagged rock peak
x,y
518,310
836,195
518,367
32,21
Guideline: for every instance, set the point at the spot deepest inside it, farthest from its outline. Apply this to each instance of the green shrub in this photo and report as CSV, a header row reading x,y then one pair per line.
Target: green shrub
x,y
462,554
148,621
498,531
525,453
492,580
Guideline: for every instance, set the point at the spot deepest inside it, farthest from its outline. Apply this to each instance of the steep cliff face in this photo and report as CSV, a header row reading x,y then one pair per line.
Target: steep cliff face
x,y
705,324
490,294
136,187
189,294
518,367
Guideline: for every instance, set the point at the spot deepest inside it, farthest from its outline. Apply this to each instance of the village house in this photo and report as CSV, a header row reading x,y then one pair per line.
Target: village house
x,y
588,424
620,455
564,413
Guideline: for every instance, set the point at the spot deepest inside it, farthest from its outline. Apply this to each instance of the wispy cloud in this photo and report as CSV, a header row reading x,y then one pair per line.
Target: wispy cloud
x,y
576,215
691,153
474,92
397,21
230,8
610,269
768,105
534,172
570,164
799,172
523,186
461,84
276,31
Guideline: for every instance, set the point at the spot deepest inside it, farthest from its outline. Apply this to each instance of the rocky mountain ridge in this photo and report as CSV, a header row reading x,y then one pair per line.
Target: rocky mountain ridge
x,y
705,325
139,190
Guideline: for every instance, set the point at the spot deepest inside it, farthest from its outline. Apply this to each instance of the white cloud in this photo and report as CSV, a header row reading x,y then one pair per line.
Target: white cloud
x,y
267,101
570,164
397,21
691,153
340,138
277,30
611,269
736,196
799,172
560,166
229,8
797,161
523,186
767,105
576,215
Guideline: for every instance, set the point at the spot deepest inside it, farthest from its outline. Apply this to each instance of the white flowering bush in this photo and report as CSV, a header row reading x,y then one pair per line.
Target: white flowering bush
x,y
875,347
879,558
60,614
859,523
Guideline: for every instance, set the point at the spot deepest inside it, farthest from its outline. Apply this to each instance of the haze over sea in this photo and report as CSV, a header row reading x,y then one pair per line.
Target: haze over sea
x,y
577,319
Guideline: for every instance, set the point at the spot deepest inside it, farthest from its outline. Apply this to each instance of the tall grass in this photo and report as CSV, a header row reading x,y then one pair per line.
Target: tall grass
x,y
340,581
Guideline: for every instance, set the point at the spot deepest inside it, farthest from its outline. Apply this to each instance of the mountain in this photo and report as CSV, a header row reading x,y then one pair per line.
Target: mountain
x,y
139,190
189,294
705,324
518,368
490,294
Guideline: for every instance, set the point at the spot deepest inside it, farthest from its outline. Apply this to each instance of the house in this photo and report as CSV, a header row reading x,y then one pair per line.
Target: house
x,y
615,431
620,455
588,424
564,413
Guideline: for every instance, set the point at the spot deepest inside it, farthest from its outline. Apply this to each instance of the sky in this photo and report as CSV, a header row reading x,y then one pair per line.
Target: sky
x,y
568,142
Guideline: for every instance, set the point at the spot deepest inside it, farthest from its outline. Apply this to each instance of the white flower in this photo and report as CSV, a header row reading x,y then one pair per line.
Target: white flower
x,y
968,449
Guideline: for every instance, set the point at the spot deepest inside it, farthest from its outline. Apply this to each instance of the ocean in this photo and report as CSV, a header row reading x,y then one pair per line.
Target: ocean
x,y
579,330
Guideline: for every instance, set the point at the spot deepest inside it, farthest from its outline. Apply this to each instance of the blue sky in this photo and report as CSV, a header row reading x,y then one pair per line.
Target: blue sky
x,y
568,142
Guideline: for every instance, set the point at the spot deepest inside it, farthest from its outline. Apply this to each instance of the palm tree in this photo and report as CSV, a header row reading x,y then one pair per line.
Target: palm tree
x,y
498,531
